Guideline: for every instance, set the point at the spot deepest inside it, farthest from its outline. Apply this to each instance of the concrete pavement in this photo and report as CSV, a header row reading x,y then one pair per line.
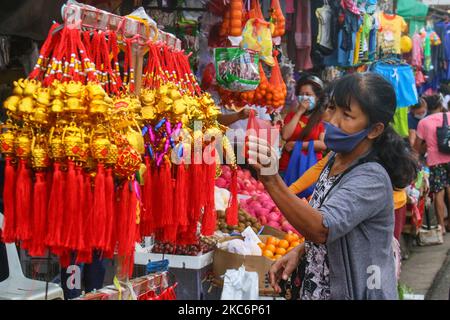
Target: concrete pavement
x,y
427,271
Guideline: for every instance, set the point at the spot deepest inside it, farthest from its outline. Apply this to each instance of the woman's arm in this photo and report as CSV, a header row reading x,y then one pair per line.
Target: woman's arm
x,y
228,119
307,220
289,126
420,146
304,218
412,137
319,145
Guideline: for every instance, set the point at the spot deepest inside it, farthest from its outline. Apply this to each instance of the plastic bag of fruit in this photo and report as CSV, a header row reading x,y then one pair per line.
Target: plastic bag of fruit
x,y
277,90
236,69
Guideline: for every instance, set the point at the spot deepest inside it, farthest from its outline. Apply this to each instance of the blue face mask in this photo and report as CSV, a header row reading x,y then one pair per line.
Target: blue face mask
x,y
341,142
312,101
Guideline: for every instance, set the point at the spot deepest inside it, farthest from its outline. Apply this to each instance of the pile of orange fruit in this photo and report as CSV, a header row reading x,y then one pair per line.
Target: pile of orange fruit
x,y
275,248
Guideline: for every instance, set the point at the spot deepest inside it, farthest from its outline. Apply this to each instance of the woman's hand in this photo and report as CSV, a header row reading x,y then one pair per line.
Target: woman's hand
x,y
283,267
289,146
244,113
303,106
263,157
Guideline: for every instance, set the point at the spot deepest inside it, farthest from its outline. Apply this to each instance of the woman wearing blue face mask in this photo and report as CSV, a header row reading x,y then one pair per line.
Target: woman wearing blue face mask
x,y
349,222
304,124
416,113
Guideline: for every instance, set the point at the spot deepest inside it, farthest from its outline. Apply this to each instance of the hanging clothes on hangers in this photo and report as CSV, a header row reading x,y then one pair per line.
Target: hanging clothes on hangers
x,y
442,29
303,35
401,76
324,40
390,32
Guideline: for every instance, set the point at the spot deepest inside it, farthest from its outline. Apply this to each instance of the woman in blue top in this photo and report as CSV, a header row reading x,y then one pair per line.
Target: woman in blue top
x,y
349,223
416,113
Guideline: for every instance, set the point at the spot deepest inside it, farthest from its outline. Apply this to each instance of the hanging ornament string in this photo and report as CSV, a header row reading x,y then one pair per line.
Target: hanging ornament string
x,y
44,53
114,51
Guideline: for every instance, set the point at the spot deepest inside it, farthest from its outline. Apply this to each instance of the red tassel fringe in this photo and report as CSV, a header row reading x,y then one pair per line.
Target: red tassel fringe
x,y
23,201
55,209
98,226
209,214
40,199
147,223
232,210
72,208
9,188
110,211
127,226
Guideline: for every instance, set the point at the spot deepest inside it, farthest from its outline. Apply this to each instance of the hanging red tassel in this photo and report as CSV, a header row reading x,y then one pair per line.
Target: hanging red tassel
x,y
39,215
23,201
195,192
157,205
72,208
127,225
55,208
9,188
84,256
110,210
166,194
65,258
232,210
99,209
80,226
209,212
147,223
180,208
189,236
87,214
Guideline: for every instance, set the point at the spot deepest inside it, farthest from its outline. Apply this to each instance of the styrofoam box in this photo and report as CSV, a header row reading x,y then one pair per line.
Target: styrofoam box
x,y
175,261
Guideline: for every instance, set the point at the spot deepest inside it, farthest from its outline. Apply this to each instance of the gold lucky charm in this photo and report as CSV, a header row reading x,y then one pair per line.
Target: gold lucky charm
x,y
135,138
73,91
113,153
19,85
43,101
30,87
7,138
39,153
73,140
96,95
56,92
11,103
148,99
26,105
100,144
22,144
57,151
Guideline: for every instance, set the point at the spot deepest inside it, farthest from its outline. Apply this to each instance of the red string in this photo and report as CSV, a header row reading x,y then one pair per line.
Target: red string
x,y
9,222
39,222
23,201
56,208
44,53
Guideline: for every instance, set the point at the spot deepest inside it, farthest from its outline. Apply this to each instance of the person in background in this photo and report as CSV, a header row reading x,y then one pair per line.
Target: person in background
x,y
305,123
438,162
416,113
